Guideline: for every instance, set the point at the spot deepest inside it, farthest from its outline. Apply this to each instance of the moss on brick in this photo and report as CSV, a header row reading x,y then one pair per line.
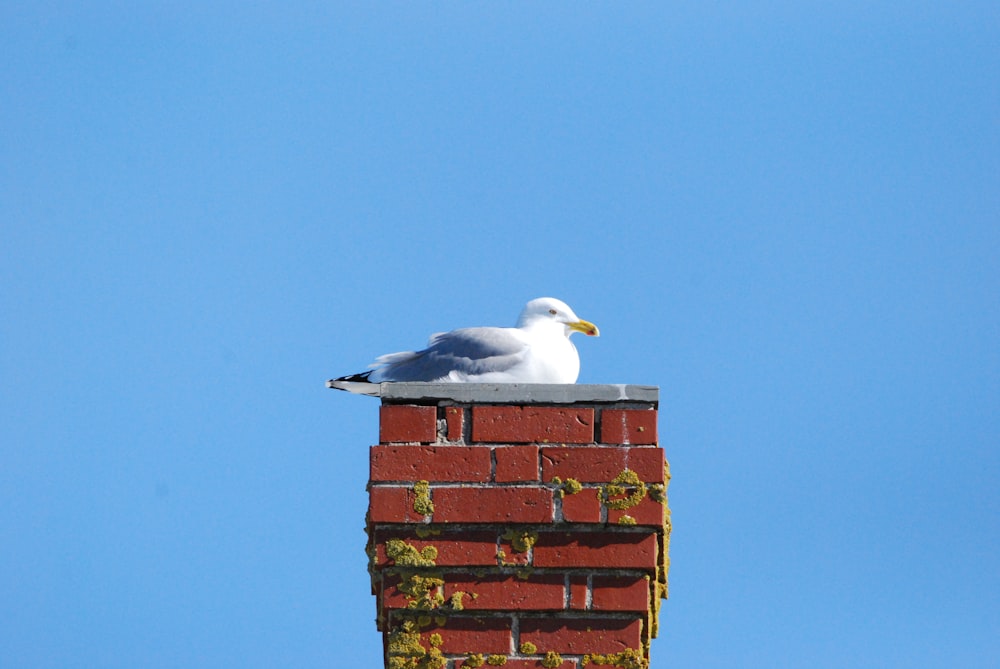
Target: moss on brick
x,y
423,592
657,492
456,600
405,651
424,531
615,495
626,659
572,486
521,541
551,660
407,555
423,504
568,487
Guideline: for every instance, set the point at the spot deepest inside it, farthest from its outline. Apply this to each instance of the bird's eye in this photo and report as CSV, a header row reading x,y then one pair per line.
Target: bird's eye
x,y
552,311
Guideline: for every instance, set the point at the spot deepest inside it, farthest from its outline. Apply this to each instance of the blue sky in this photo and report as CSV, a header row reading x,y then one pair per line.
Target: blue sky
x,y
786,215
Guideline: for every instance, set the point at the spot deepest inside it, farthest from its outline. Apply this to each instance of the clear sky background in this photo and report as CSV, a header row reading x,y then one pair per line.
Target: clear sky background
x,y
786,215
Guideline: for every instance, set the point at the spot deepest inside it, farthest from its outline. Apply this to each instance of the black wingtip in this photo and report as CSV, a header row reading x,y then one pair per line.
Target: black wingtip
x,y
359,384
356,378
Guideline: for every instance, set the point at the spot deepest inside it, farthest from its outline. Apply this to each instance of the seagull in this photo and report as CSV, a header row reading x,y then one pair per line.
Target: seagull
x,y
537,350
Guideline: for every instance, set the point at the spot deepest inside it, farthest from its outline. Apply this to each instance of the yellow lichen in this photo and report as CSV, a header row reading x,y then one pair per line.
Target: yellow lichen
x,y
657,492
423,504
456,600
521,541
407,555
528,648
435,639
551,660
474,660
435,660
626,659
524,573
405,642
626,520
406,652
568,487
423,592
619,486
496,660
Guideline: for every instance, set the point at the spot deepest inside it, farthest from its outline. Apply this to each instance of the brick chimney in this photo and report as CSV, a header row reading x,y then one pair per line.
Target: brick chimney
x,y
514,525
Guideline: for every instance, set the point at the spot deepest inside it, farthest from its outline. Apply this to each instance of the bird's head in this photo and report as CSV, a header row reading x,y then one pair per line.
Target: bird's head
x,y
550,310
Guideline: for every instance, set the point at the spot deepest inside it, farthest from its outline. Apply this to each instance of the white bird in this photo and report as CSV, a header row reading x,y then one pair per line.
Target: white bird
x,y
537,350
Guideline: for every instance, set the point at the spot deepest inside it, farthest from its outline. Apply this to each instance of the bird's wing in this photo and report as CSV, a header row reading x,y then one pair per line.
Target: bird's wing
x,y
467,352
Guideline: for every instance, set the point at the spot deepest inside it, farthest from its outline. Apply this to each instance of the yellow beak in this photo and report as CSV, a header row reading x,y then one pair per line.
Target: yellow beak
x,y
586,327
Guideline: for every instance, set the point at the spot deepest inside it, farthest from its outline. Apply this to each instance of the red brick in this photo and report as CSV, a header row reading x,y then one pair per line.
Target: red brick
x,y
392,597
582,507
430,463
620,593
499,592
523,664
464,549
628,426
587,464
646,512
407,423
492,505
512,556
609,550
584,635
462,635
517,424
578,592
516,463
455,418
392,504
648,463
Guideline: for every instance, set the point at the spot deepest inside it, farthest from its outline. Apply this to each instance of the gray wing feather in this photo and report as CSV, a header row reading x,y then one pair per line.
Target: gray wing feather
x,y
469,350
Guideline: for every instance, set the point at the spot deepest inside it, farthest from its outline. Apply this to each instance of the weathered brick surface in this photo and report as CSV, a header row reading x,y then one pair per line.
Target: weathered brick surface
x,y
391,596
455,421
504,592
647,463
430,463
516,463
586,464
511,554
525,424
474,635
523,664
578,592
620,593
610,550
511,546
646,512
581,636
583,507
407,423
628,426
492,505
392,505
453,549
